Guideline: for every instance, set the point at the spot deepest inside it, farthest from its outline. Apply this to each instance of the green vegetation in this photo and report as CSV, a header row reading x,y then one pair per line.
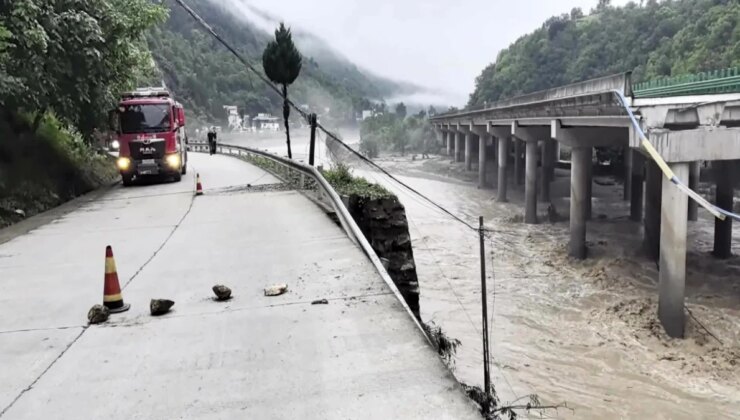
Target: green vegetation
x,y
72,57
205,76
62,65
282,64
658,39
42,169
344,183
393,132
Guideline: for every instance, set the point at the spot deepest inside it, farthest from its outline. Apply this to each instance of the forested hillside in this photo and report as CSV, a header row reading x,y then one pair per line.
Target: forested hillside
x,y
205,76
659,38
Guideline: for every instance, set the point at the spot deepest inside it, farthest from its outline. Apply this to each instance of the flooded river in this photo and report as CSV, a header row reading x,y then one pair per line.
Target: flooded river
x,y
580,333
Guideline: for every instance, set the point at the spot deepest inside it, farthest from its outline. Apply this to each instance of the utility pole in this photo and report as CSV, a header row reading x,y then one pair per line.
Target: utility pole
x,y
484,307
312,148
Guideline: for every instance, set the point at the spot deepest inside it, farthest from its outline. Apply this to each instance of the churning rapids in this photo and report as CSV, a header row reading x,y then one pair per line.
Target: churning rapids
x,y
583,333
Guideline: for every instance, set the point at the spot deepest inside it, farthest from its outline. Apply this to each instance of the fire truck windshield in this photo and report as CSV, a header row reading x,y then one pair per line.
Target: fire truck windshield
x,y
145,118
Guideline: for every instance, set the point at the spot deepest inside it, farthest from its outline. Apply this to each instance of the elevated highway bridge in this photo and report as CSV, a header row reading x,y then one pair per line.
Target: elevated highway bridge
x,y
687,123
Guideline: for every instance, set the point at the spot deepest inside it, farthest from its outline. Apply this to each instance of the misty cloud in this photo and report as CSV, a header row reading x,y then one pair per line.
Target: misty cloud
x,y
439,44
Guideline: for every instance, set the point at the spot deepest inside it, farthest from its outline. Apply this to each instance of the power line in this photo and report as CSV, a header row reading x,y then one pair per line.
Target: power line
x,y
328,133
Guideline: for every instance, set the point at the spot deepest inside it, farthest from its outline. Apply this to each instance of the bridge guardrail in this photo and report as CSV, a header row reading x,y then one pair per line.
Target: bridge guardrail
x,y
606,84
717,82
309,181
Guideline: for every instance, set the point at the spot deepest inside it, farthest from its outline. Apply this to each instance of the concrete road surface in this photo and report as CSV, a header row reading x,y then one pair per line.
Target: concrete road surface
x,y
254,357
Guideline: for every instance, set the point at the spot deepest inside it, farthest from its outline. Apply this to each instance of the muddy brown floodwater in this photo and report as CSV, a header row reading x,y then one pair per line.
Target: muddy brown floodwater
x,y
580,332
583,333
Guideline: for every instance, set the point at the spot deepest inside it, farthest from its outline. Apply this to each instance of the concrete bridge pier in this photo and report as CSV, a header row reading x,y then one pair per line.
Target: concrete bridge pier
x,y
627,154
637,167
672,269
503,154
653,204
582,140
590,184
580,161
482,133
723,228
553,157
482,143
459,142
449,142
518,161
694,174
547,169
502,134
531,137
530,185
470,140
492,156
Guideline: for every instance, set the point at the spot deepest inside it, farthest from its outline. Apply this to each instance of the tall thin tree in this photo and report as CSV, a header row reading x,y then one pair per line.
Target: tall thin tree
x,y
282,63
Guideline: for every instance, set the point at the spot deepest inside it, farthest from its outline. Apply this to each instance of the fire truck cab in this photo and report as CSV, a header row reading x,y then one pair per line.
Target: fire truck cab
x,y
150,126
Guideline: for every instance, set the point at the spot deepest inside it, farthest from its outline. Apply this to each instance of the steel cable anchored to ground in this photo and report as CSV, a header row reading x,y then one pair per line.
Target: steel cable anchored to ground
x,y
716,211
306,115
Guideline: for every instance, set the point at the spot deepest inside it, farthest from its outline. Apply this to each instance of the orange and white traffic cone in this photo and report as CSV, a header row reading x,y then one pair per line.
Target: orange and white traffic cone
x,y
198,187
112,297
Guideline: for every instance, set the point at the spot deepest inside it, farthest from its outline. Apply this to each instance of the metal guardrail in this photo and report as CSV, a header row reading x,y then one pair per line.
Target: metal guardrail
x,y
309,181
714,82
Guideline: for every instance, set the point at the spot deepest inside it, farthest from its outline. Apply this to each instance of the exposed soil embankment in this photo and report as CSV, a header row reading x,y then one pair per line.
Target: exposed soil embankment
x,y
382,219
383,222
43,168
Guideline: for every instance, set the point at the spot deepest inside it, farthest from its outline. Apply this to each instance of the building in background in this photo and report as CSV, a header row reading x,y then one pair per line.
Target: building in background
x,y
233,118
265,122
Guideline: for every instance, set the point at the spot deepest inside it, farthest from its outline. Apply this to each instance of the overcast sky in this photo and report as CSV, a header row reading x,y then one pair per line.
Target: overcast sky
x,y
440,44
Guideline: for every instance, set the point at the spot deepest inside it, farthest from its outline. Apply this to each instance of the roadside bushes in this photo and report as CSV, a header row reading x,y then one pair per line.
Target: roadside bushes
x,y
344,183
42,169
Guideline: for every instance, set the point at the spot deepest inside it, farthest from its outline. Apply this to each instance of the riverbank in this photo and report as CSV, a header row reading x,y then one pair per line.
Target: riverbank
x,y
583,332
42,169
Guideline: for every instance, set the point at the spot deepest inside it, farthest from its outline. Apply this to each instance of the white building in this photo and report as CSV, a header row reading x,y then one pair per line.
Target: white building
x,y
232,116
265,122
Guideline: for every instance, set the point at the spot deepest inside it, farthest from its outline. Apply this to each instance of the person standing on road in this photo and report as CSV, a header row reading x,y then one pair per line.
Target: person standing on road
x,y
212,139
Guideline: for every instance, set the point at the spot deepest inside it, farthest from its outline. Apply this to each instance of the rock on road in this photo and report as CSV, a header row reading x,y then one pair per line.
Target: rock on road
x,y
359,357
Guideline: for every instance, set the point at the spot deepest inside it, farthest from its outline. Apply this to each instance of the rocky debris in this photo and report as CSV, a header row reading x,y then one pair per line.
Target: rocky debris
x,y
276,290
160,306
222,292
320,302
98,314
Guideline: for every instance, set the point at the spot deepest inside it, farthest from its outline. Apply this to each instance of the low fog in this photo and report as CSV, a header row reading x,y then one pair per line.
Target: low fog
x,y
440,45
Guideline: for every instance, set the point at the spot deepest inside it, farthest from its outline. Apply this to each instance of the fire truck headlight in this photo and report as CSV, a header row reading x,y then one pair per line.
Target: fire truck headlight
x,y
115,145
173,161
123,163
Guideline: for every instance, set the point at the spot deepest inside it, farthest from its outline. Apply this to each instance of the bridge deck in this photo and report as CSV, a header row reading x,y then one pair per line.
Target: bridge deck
x,y
360,356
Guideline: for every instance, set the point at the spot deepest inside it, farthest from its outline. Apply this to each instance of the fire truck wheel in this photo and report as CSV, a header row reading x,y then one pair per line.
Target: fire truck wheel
x,y
177,177
127,180
184,169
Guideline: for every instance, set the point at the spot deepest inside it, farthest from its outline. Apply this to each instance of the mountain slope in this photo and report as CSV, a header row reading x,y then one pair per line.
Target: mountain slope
x,y
659,39
205,76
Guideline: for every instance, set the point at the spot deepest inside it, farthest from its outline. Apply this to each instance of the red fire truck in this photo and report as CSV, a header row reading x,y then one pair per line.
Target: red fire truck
x,y
151,134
